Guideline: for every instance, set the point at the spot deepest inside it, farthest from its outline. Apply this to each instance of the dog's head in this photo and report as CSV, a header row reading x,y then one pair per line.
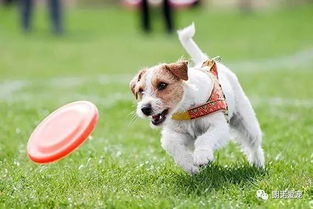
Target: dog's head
x,y
159,90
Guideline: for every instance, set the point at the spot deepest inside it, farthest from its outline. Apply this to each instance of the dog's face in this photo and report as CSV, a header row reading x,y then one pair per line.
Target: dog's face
x,y
159,90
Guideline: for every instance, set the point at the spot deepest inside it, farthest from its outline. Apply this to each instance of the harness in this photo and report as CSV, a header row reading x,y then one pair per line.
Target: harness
x,y
216,101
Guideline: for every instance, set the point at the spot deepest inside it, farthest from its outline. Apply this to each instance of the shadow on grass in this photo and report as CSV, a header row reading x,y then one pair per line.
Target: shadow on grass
x,y
215,177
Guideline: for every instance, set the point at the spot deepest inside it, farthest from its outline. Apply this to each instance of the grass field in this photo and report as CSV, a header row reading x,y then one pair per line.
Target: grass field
x,y
123,164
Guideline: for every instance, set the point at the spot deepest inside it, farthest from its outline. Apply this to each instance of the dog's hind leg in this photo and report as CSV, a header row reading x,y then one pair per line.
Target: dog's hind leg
x,y
247,129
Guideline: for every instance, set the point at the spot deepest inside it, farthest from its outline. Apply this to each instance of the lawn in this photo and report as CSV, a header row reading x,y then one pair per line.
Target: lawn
x,y
123,165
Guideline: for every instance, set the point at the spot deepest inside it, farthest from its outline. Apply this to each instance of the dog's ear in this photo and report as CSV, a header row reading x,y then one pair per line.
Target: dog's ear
x,y
132,85
134,81
179,69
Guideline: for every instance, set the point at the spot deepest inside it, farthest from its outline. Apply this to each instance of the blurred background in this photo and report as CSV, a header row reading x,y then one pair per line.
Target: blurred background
x,y
69,37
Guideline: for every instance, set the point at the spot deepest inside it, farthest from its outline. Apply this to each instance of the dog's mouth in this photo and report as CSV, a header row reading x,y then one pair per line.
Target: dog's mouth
x,y
159,118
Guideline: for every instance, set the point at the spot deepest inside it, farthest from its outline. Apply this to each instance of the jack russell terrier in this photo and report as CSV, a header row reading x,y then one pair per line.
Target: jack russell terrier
x,y
198,108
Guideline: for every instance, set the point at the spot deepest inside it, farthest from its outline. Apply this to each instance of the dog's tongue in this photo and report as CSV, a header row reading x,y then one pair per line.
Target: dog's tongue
x,y
156,117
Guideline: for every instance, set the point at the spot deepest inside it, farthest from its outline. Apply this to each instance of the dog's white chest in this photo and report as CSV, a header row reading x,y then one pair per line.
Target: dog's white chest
x,y
196,127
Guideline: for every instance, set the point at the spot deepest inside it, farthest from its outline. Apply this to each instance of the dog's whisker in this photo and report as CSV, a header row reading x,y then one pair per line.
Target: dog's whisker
x,y
132,121
132,113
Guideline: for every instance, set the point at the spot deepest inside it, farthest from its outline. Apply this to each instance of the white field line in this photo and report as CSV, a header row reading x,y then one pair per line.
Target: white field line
x,y
281,102
302,58
110,100
299,59
7,88
78,81
115,98
10,87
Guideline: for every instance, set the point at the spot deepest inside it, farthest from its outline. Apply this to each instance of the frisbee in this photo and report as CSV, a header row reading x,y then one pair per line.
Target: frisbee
x,y
61,132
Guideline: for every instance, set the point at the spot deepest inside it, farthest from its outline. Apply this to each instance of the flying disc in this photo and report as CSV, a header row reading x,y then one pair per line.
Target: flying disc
x,y
61,132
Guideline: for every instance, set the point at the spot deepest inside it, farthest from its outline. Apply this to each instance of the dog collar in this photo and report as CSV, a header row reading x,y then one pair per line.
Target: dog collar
x,y
216,101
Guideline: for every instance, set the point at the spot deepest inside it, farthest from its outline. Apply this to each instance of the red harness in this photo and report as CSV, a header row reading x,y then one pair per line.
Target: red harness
x,y
216,101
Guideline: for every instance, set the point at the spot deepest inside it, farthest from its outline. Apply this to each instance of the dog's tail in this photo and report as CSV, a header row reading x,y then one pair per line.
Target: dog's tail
x,y
185,36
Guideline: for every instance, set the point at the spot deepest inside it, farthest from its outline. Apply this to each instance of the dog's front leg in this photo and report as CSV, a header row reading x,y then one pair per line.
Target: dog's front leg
x,y
215,137
177,145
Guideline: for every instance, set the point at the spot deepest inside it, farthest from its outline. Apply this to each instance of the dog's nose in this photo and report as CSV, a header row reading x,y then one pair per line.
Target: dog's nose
x,y
146,109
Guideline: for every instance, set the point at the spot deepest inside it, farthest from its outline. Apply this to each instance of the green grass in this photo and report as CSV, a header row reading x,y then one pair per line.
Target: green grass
x,y
123,165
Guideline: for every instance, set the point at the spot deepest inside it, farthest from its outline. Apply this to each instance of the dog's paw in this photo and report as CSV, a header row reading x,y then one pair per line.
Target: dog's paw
x,y
189,167
256,158
202,157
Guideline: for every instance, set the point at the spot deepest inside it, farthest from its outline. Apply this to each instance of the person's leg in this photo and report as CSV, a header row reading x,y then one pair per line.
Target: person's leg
x,y
8,2
26,13
168,16
145,16
56,16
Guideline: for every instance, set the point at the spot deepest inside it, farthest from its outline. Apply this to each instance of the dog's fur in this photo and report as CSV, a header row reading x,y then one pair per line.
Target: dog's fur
x,y
192,142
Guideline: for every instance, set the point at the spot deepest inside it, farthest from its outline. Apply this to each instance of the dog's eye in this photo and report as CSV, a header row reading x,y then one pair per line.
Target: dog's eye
x,y
140,90
162,86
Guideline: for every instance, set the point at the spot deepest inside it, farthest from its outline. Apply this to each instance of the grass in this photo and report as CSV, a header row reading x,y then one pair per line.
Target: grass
x,y
123,165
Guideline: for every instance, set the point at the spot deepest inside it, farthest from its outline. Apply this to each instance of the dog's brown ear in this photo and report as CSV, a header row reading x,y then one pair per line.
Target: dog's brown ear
x,y
179,69
134,81
132,85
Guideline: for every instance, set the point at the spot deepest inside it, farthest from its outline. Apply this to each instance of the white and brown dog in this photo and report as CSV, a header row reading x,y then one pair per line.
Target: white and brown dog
x,y
198,107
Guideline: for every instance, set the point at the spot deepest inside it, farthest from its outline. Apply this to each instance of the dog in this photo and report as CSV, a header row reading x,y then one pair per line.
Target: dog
x,y
178,98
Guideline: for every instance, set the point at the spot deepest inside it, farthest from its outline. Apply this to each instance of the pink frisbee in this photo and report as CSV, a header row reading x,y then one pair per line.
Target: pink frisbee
x,y
62,132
